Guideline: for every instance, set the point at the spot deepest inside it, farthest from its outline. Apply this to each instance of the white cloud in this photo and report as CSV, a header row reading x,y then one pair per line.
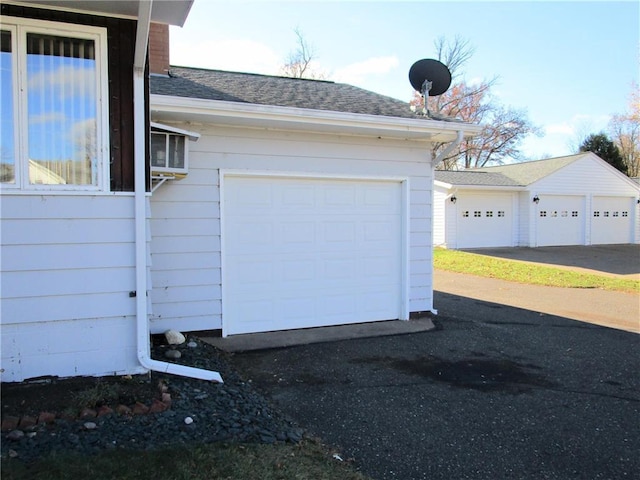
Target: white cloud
x,y
239,55
357,73
563,128
563,138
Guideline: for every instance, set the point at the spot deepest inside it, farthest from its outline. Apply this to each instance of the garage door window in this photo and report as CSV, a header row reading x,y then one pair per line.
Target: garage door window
x,y
489,214
465,214
625,214
500,213
574,213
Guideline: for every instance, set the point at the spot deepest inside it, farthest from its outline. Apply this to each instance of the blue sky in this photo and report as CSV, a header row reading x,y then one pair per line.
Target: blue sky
x,y
569,64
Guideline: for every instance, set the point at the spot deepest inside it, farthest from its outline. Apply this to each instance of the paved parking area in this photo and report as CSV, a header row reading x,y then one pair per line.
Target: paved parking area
x,y
494,392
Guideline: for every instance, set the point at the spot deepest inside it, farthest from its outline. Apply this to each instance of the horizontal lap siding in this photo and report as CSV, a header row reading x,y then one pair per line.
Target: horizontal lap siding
x,y
185,252
67,268
589,178
185,226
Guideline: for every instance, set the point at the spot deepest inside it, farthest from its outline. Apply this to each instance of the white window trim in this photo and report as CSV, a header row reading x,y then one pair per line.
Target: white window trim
x,y
19,28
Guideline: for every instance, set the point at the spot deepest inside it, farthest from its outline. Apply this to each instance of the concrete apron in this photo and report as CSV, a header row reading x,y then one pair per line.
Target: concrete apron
x,y
288,338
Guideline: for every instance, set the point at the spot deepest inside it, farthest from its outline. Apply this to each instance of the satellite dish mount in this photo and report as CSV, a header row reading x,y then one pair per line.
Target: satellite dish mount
x,y
429,77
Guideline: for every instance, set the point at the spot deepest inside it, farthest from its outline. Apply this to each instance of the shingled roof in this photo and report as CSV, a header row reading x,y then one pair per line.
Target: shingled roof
x,y
515,174
278,91
474,178
526,173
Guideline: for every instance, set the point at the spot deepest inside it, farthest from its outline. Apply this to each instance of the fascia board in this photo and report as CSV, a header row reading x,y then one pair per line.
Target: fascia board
x,y
446,185
170,12
498,188
290,118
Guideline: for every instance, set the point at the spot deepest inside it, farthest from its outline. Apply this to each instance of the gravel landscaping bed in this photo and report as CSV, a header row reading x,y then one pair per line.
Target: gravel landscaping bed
x,y
199,412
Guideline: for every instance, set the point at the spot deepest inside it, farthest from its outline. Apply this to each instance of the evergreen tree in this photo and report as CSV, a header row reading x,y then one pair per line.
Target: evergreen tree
x,y
602,146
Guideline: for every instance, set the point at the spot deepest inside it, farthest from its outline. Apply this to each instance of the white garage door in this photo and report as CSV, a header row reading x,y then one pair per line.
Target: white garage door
x,y
560,220
611,220
310,252
484,221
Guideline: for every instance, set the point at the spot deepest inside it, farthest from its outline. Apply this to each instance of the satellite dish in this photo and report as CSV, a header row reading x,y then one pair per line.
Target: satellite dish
x,y
430,77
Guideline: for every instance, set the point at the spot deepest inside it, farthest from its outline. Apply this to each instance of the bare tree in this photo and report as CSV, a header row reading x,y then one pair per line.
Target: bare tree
x,y
504,128
299,63
625,132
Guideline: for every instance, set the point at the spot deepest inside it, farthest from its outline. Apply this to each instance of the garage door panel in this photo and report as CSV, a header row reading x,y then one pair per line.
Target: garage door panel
x,y
484,221
560,220
611,220
335,260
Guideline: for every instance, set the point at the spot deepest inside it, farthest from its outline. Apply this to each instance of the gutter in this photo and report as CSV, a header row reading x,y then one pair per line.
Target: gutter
x,y
142,316
187,109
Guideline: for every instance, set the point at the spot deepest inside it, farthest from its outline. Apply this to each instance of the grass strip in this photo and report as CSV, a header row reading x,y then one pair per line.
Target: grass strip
x,y
308,460
529,273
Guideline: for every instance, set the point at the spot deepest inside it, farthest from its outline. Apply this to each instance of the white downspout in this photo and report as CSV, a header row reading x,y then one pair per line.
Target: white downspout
x,y
436,161
139,106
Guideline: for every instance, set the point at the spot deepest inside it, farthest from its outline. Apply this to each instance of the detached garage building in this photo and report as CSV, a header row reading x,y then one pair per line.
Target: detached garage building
x,y
306,203
574,200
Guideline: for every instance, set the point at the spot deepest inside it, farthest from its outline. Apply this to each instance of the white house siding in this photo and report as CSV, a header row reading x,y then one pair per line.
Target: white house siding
x,y
525,219
186,256
588,178
439,212
67,269
185,251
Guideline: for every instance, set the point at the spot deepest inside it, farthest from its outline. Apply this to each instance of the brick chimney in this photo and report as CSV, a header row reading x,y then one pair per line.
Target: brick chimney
x,y
159,49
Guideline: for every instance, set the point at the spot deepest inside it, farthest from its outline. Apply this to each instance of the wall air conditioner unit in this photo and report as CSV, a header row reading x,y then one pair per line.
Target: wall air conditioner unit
x,y
169,153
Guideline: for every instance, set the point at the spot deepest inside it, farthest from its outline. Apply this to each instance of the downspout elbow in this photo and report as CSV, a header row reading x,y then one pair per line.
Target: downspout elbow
x,y
450,147
175,369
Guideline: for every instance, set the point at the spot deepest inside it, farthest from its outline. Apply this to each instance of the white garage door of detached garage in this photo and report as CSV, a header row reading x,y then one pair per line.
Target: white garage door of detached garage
x,y
484,221
309,252
560,220
611,220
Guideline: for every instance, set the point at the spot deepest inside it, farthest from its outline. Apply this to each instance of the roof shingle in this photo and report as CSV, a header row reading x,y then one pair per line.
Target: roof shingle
x,y
277,91
515,174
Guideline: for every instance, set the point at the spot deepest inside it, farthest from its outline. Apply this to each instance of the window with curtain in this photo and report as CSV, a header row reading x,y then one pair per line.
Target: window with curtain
x,y
7,132
52,111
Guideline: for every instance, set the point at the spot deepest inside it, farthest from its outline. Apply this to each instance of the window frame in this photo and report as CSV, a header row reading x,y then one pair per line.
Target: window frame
x,y
20,27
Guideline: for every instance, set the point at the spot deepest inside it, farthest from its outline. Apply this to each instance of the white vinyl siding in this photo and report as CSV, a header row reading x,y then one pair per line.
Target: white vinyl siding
x,y
439,213
67,270
186,213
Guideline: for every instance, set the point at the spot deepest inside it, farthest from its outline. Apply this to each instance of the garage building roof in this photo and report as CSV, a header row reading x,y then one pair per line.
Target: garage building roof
x,y
516,174
278,91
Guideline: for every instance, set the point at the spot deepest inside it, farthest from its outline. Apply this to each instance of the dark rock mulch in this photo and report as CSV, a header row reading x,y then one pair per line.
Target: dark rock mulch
x,y
229,412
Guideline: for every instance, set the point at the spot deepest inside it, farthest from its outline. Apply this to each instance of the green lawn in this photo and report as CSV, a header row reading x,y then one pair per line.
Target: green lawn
x,y
515,271
307,461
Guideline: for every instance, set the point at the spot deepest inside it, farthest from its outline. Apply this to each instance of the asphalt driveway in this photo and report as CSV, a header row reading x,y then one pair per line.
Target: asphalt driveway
x,y
495,392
